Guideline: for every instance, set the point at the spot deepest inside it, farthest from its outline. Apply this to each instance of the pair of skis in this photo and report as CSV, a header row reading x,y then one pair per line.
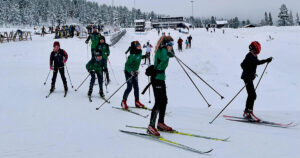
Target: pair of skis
x,y
175,144
65,94
90,99
132,112
261,122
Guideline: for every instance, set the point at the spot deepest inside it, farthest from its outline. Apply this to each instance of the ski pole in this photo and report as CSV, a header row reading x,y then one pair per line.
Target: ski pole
x,y
201,79
228,104
261,76
149,91
114,93
69,77
105,81
113,71
47,77
82,82
192,81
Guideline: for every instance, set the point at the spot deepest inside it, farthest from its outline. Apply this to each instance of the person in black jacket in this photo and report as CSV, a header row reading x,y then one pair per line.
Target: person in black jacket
x,y
58,58
249,66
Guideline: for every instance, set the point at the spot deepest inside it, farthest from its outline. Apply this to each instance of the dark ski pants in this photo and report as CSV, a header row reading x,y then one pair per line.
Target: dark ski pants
x,y
161,101
251,95
180,47
133,82
105,69
62,74
100,80
93,51
147,56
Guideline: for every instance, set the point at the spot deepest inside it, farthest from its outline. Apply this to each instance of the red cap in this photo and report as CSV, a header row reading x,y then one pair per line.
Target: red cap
x,y
255,46
56,43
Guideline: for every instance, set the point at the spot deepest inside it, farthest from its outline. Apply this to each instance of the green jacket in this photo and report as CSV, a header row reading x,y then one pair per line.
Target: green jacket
x,y
133,62
104,47
94,65
161,61
95,37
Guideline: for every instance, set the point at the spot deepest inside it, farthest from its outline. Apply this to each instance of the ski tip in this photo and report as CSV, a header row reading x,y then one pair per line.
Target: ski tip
x,y
222,97
206,152
97,108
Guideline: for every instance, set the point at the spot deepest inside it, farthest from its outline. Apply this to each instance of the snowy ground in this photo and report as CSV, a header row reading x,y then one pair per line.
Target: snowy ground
x,y
32,126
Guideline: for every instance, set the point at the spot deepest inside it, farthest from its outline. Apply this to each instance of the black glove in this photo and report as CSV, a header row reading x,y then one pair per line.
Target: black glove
x,y
91,71
86,41
269,59
134,73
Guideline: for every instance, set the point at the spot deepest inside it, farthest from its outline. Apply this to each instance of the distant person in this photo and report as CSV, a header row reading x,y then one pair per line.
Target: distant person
x,y
95,38
249,66
190,41
179,42
104,48
186,44
148,52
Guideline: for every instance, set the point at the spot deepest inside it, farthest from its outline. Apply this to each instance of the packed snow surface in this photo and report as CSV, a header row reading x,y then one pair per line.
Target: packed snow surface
x,y
35,127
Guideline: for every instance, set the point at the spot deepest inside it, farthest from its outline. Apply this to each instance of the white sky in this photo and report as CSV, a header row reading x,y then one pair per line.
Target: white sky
x,y
244,9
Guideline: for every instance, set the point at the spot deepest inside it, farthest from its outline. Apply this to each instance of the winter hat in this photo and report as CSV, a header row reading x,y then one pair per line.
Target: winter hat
x,y
98,53
255,46
135,44
56,43
102,38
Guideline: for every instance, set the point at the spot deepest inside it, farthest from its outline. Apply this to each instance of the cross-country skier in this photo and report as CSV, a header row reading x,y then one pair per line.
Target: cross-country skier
x,y
148,51
95,37
104,47
164,50
94,67
58,58
131,71
249,66
179,42
190,41
186,44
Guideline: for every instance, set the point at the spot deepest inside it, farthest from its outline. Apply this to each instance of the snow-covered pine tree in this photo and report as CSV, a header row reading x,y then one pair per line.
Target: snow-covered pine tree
x,y
283,16
297,19
266,21
291,19
270,19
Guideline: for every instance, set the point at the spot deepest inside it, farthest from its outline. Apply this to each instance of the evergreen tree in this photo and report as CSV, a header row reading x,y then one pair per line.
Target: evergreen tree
x,y
283,16
266,22
297,19
270,19
291,19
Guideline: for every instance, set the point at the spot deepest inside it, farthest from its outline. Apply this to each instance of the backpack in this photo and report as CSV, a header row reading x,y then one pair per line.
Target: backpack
x,y
150,71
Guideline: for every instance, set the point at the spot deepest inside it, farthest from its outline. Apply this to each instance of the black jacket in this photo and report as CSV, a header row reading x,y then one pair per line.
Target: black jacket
x,y
249,66
58,58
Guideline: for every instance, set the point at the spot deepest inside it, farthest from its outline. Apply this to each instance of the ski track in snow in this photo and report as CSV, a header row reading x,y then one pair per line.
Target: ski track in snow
x,y
35,127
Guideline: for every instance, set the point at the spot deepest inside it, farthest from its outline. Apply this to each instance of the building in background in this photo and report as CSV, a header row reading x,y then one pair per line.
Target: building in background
x,y
221,24
140,25
171,22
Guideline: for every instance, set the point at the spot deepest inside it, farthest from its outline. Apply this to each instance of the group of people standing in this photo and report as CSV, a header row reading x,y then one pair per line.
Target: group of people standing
x,y
188,43
97,66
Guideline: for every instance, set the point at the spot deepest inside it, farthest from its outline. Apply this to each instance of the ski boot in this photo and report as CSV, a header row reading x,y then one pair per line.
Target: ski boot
x,y
90,92
101,94
249,115
52,88
138,104
164,127
124,105
152,130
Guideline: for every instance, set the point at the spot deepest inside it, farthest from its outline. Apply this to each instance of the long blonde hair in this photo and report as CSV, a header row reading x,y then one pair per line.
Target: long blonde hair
x,y
160,41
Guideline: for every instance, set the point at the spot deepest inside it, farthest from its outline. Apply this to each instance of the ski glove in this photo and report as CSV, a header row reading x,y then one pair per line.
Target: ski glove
x,y
134,73
51,67
269,59
86,41
91,71
65,61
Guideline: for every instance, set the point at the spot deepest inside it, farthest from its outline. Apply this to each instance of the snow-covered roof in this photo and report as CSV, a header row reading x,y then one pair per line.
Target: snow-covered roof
x,y
140,20
222,22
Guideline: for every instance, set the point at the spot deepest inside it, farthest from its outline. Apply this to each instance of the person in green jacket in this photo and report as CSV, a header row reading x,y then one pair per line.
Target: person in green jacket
x,y
131,74
95,37
94,67
164,50
104,47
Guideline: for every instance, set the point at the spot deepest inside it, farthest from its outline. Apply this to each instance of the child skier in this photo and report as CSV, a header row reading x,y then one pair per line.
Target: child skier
x,y
164,50
131,74
58,58
148,51
95,37
94,66
249,66
186,44
104,48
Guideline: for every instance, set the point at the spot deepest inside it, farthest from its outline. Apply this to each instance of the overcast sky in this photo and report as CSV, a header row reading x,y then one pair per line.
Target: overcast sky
x,y
244,9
